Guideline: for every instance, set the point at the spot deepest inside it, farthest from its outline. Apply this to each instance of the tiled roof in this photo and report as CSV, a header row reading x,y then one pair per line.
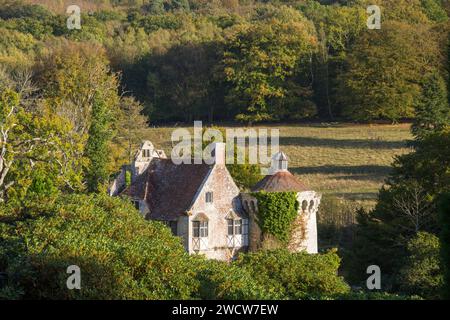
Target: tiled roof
x,y
168,189
281,181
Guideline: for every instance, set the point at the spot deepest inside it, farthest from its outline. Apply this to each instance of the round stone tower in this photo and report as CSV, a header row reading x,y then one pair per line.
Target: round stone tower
x,y
279,179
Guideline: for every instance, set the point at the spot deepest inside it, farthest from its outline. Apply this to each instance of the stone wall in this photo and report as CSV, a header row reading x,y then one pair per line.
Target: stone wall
x,y
304,232
225,201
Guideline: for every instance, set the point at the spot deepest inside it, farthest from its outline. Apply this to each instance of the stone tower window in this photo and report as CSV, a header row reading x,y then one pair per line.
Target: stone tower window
x,y
304,205
246,207
252,203
311,205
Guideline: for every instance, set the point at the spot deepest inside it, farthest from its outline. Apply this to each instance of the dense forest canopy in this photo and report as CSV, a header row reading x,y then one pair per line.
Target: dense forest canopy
x,y
244,60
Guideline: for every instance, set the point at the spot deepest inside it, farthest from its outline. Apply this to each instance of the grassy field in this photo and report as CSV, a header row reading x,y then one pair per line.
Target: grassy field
x,y
345,160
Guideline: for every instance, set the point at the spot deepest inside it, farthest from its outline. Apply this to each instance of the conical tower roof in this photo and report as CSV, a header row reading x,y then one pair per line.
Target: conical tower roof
x,y
280,179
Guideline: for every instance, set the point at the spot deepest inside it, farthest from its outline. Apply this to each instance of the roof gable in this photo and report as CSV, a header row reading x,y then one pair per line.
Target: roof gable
x,y
168,189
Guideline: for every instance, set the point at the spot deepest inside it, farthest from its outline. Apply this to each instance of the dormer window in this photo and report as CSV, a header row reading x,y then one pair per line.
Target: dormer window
x,y
209,197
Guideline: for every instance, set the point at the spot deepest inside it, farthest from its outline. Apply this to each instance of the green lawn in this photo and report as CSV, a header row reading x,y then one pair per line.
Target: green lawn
x,y
346,160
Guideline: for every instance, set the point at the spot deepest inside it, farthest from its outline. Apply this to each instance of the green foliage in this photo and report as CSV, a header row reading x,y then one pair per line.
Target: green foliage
x,y
276,213
121,255
406,205
421,275
258,61
434,10
97,146
223,281
262,62
245,175
369,89
127,178
296,275
376,295
32,141
17,49
444,220
432,112
72,76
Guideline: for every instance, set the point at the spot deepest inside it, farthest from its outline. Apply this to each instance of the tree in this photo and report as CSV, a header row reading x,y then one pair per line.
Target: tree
x,y
337,29
29,139
406,205
128,129
444,219
74,75
120,255
422,275
384,72
261,62
97,146
432,112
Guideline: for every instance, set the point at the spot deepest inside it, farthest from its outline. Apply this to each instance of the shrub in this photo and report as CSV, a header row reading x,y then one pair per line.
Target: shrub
x,y
121,256
220,280
296,275
421,274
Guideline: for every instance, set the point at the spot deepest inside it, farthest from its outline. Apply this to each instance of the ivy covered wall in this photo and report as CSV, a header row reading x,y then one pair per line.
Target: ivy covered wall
x,y
276,213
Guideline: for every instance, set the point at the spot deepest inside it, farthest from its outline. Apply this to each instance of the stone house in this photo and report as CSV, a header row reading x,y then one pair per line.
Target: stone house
x,y
202,204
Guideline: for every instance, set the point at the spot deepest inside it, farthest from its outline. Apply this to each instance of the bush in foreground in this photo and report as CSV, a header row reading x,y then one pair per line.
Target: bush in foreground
x,y
296,275
121,256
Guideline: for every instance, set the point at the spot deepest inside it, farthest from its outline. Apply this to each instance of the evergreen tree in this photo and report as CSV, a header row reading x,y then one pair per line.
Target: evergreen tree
x,y
432,110
97,145
445,242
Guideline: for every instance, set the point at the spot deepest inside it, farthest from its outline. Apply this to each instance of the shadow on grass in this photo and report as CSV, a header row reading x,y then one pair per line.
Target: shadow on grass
x,y
356,195
349,172
342,143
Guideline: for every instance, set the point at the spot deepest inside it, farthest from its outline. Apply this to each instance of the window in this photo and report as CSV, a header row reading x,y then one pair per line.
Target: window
x,y
234,227
136,204
209,197
237,233
146,153
311,205
230,227
304,205
200,229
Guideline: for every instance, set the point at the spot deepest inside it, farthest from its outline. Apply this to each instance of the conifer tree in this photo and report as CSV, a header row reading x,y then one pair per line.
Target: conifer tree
x,y
432,112
97,145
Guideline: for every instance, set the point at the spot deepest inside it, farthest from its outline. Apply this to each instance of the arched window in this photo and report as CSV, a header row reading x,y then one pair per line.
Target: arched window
x,y
246,205
304,205
311,205
252,203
